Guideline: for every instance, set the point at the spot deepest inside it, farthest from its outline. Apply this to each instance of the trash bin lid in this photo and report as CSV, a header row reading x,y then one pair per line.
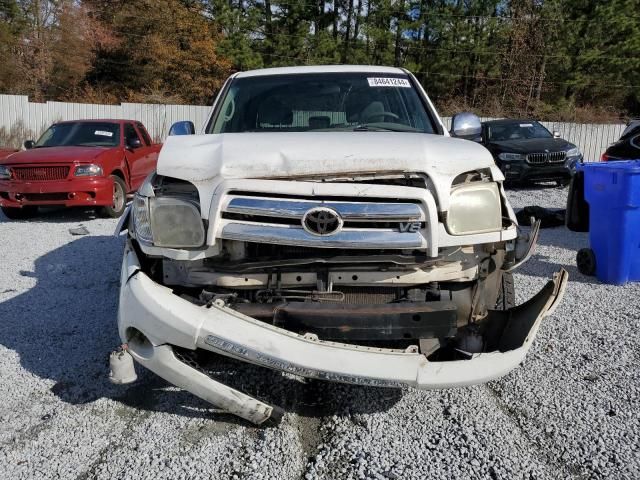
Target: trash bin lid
x,y
629,166
612,184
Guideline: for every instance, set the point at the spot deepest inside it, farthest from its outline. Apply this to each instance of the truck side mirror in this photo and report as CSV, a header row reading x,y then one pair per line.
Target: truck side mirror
x,y
466,125
29,144
182,128
556,134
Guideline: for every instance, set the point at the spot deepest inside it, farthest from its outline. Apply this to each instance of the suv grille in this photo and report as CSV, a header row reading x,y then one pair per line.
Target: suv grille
x,y
40,173
546,157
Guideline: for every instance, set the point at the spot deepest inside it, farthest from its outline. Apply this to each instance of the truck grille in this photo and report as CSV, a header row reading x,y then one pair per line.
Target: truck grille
x,y
369,224
546,157
40,173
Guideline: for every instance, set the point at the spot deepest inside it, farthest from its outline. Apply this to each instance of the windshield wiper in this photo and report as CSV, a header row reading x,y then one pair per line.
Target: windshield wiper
x,y
364,127
369,128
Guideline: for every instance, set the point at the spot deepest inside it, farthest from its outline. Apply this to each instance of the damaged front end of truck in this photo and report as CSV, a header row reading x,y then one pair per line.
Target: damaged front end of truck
x,y
355,278
325,225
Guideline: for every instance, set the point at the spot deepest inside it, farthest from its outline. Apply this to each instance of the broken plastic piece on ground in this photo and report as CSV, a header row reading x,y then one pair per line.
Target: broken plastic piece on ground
x,y
81,230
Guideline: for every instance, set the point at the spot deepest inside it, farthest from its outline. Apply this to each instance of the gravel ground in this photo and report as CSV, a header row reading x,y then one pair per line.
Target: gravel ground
x,y
571,411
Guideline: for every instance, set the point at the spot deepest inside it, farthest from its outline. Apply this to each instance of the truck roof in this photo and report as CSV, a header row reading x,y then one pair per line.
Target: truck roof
x,y
320,69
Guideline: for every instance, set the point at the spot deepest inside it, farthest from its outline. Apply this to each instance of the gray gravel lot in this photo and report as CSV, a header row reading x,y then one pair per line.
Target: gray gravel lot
x,y
571,411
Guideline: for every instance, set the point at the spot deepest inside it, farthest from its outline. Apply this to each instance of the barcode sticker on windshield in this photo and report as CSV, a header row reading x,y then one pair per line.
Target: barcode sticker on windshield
x,y
526,125
388,82
102,133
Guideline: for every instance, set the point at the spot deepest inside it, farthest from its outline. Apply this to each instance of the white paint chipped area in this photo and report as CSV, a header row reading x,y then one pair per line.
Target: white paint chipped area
x,y
572,410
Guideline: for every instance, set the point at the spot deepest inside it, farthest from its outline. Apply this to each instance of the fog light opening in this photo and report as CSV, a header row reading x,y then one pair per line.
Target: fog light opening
x,y
139,343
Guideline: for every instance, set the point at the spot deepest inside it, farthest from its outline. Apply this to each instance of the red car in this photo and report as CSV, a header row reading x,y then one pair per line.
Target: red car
x,y
78,163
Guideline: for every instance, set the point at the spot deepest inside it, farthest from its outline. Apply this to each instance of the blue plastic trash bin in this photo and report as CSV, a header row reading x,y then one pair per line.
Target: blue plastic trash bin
x,y
612,191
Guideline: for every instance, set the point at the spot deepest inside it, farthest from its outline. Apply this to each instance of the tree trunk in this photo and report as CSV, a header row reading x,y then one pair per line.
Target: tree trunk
x,y
541,80
397,60
367,23
269,31
347,33
335,20
424,55
356,28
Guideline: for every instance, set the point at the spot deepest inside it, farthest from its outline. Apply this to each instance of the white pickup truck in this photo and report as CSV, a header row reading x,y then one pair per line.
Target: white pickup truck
x,y
325,224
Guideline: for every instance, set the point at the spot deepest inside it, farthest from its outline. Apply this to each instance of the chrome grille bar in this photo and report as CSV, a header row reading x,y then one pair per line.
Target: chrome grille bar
x,y
347,238
557,157
352,211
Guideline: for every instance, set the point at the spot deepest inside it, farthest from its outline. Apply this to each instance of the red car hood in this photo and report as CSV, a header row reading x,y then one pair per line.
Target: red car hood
x,y
5,152
55,155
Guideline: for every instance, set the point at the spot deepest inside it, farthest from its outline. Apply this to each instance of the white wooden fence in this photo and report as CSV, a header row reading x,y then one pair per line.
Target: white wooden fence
x,y
21,119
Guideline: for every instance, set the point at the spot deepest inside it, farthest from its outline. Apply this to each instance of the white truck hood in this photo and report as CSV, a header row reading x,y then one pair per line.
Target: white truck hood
x,y
264,155
205,160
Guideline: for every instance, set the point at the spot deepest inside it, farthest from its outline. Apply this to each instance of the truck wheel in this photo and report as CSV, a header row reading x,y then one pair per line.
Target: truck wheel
x,y
507,293
19,213
119,198
586,261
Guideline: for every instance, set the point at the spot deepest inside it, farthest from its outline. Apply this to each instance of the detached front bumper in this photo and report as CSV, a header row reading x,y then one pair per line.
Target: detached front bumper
x,y
151,319
72,192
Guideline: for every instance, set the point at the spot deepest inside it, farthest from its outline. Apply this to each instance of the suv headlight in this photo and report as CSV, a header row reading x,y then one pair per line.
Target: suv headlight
x,y
167,222
574,152
474,209
5,173
511,157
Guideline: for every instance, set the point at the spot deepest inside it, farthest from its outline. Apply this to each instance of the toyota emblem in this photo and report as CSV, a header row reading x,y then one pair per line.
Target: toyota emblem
x,y
322,221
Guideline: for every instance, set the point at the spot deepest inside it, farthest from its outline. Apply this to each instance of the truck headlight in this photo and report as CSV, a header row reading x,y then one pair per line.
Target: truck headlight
x,y
511,157
5,173
141,220
175,223
475,209
167,222
91,170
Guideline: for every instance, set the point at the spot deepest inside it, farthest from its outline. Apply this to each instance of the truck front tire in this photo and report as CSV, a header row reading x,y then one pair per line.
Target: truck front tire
x,y
119,198
507,293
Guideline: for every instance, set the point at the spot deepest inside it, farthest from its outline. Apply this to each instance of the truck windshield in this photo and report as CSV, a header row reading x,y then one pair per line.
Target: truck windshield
x,y
325,102
86,134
